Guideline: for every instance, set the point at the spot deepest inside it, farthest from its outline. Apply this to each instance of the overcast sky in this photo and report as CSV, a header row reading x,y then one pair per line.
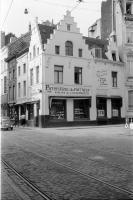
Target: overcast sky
x,y
85,14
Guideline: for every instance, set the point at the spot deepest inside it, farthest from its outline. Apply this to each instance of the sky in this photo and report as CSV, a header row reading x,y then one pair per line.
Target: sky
x,y
13,19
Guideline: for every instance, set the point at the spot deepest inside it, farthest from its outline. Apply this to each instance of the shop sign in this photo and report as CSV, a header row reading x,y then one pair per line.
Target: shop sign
x,y
67,90
102,77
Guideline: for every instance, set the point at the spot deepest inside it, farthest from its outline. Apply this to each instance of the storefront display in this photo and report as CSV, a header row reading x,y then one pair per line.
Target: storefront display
x,y
101,107
81,109
116,107
58,109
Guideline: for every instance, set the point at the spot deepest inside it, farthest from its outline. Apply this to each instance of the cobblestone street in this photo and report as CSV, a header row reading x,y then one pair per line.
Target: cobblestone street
x,y
73,163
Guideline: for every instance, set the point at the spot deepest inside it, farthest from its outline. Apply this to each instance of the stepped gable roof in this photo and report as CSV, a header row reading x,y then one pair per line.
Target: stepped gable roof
x,y
45,32
97,43
18,47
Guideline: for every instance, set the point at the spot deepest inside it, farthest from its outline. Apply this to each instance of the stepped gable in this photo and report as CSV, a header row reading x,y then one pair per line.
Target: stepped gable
x,y
45,32
18,47
97,43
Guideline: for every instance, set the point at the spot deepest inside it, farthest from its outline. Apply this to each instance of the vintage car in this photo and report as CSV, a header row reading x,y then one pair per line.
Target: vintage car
x,y
6,123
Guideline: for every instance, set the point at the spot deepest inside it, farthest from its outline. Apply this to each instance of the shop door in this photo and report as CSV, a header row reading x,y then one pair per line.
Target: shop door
x,y
101,108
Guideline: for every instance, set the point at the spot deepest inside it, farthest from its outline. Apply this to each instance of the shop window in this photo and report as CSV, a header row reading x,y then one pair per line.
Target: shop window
x,y
69,48
31,76
78,75
128,8
30,108
101,107
58,109
130,99
24,68
80,52
57,49
81,109
116,105
58,74
114,79
37,74
114,56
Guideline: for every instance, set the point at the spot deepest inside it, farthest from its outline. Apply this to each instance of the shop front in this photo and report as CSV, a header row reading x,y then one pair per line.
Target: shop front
x,y
101,105
116,104
68,105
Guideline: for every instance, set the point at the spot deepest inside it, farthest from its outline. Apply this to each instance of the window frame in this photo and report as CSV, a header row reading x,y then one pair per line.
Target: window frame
x,y
114,79
79,74
80,52
37,74
69,48
57,49
31,76
59,73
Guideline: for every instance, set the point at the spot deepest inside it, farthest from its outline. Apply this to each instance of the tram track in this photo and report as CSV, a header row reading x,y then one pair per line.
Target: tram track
x,y
28,182
117,166
85,175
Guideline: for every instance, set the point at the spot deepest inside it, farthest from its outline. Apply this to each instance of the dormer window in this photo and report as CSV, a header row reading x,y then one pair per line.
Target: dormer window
x,y
69,48
129,8
97,52
68,27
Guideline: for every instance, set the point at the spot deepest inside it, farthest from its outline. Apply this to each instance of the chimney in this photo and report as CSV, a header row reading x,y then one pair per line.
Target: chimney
x,y
2,39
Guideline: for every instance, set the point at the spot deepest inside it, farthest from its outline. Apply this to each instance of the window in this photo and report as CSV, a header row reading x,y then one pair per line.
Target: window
x,y
114,79
24,68
58,109
10,93
58,74
81,109
129,8
68,27
57,49
69,48
13,92
114,56
101,104
116,104
130,99
38,51
130,66
13,73
98,52
80,52
34,51
24,88
5,84
10,74
37,74
78,75
19,71
129,37
31,76
19,88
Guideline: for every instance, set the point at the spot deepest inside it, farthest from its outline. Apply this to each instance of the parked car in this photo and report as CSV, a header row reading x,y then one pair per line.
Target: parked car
x,y
6,123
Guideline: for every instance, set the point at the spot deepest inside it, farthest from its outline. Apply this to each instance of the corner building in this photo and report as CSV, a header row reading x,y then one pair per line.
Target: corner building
x,y
71,80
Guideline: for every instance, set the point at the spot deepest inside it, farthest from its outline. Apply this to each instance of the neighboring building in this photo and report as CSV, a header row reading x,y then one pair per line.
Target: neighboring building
x,y
94,31
4,42
15,49
117,20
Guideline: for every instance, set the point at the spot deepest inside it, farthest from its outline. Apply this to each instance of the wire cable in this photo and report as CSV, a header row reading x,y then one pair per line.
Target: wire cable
x,y
7,13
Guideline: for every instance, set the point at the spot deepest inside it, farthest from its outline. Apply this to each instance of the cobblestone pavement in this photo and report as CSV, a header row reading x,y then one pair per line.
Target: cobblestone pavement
x,y
104,152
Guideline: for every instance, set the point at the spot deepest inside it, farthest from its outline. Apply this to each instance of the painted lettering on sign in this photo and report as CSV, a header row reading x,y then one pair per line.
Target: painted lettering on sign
x,y
102,77
67,90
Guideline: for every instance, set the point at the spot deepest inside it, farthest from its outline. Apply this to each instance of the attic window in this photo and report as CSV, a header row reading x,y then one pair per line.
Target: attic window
x,y
68,27
129,8
98,52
